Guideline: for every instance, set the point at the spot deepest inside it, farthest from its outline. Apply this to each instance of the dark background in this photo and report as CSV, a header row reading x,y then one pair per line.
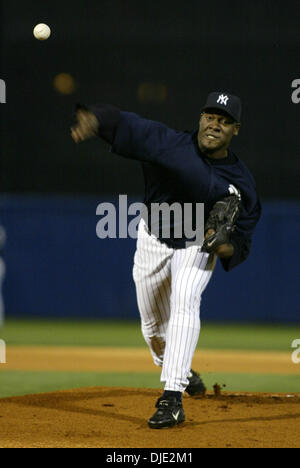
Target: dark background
x,y
116,50
110,48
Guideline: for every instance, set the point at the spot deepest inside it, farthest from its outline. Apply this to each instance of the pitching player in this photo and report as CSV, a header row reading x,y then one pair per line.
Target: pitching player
x,y
170,278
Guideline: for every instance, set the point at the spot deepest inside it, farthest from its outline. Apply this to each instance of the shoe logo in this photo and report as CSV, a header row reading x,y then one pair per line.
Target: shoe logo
x,y
211,243
175,416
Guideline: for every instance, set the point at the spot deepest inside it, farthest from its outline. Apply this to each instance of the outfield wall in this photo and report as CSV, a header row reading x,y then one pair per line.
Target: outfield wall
x,y
57,267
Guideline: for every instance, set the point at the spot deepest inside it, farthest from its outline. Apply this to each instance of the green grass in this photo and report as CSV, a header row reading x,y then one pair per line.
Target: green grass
x,y
71,333
116,333
13,383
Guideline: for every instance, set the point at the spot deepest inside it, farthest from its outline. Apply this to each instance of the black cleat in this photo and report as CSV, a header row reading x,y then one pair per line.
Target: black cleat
x,y
169,413
196,385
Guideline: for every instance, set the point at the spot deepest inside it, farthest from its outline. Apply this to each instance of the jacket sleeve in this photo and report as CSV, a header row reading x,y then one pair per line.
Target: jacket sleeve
x,y
241,238
108,117
132,136
143,139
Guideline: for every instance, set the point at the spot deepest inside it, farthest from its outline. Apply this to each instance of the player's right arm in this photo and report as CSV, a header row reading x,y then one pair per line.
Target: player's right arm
x,y
129,134
86,126
100,120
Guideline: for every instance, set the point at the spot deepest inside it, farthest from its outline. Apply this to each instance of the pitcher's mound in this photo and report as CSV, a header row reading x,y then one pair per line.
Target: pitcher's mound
x,y
117,418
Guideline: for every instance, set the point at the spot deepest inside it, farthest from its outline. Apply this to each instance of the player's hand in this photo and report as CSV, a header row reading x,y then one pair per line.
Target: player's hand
x,y
223,250
86,127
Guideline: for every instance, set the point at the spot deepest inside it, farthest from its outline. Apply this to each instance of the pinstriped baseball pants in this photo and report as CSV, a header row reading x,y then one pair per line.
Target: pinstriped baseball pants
x,y
169,285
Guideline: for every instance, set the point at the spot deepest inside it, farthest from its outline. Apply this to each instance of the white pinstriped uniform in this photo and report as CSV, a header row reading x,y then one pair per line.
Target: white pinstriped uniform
x,y
169,285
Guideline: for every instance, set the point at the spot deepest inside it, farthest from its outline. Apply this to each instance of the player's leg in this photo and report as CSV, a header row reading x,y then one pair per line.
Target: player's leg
x,y
191,272
152,277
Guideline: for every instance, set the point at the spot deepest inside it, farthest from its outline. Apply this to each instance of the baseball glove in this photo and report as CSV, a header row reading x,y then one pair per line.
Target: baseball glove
x,y
221,220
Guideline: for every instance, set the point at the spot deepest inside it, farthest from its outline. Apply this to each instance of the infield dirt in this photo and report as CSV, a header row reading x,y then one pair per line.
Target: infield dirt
x,y
117,418
103,417
57,358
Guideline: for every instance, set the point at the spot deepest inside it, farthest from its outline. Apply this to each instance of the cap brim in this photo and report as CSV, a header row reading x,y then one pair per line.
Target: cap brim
x,y
220,108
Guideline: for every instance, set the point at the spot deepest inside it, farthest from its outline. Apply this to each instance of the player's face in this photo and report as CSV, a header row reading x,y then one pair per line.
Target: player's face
x,y
215,133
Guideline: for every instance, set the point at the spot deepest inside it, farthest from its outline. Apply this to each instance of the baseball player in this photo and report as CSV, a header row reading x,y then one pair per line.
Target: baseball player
x,y
171,275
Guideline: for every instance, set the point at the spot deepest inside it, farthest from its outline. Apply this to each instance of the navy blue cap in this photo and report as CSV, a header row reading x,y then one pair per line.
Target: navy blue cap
x,y
229,103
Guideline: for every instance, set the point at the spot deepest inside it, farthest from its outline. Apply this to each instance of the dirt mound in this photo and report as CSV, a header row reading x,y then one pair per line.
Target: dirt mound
x,y
117,418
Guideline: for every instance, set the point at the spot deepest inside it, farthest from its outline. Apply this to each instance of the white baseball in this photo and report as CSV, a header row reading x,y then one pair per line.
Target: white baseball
x,y
41,32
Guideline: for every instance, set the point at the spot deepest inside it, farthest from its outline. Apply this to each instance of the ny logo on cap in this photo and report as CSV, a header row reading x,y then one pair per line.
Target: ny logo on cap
x,y
222,99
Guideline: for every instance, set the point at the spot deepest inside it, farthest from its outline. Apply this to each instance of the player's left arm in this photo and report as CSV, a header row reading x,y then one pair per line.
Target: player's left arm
x,y
225,251
239,246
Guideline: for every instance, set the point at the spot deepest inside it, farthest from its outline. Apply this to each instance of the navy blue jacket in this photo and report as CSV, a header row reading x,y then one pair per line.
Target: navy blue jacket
x,y
175,170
